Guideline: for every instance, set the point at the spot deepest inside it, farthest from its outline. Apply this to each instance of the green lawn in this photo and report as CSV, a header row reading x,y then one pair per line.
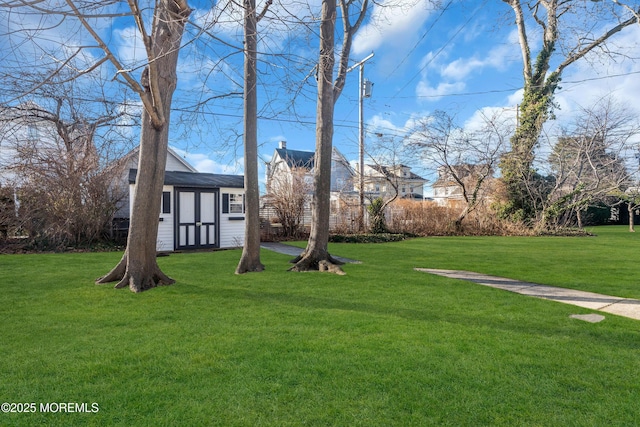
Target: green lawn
x,y
382,346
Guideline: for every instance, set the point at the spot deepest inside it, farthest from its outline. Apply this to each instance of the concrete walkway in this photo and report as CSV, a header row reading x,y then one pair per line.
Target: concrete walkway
x,y
614,305
295,251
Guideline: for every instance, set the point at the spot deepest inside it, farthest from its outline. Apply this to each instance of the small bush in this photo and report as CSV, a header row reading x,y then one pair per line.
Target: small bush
x,y
368,238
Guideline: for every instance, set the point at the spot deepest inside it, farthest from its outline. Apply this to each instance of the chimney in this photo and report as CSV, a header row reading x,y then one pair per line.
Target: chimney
x,y
282,145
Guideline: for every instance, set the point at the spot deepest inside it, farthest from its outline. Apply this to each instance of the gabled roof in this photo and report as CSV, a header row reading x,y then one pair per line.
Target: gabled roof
x,y
196,179
132,155
298,159
388,172
463,170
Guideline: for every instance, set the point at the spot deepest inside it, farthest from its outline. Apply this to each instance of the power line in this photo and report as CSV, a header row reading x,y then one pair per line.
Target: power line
x,y
428,30
354,124
471,16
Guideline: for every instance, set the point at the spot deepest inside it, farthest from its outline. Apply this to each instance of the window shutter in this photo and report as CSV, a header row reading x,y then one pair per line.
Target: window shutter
x,y
225,203
244,203
166,202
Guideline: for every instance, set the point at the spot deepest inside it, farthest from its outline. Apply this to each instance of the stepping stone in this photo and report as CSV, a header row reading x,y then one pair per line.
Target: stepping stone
x,y
591,318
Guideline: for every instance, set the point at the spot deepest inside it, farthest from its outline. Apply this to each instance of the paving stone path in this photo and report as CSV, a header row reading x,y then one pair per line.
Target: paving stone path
x,y
614,305
295,251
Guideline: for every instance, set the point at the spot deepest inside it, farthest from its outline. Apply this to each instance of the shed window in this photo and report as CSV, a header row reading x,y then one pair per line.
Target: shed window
x,y
232,203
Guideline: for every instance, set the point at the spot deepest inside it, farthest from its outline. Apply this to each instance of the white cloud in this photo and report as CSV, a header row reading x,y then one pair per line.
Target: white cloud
x,y
131,51
441,77
204,163
434,93
502,118
515,98
392,23
461,68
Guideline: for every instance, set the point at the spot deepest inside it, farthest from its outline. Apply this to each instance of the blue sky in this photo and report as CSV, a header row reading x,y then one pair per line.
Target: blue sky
x,y
463,58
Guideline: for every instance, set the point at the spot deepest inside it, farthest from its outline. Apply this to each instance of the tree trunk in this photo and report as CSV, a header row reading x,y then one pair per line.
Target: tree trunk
x,y
632,228
138,268
579,217
316,250
250,259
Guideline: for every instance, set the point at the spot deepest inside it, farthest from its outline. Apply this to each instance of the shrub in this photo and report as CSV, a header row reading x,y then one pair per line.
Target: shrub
x,y
368,238
430,219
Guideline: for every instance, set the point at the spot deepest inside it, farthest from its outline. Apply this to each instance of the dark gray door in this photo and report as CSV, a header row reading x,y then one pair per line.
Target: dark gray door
x,y
196,225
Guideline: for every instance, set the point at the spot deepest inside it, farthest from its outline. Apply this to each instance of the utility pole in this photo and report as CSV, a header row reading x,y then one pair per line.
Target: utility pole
x,y
364,91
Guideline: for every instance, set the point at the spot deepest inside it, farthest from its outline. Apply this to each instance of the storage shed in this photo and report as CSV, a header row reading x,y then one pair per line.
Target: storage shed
x,y
199,211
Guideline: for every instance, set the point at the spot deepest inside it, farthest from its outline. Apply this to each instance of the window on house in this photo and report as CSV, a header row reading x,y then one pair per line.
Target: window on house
x,y
232,203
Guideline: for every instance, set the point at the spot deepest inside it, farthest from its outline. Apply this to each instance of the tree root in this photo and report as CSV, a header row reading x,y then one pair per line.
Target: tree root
x,y
256,268
249,264
307,263
116,273
329,258
137,281
140,283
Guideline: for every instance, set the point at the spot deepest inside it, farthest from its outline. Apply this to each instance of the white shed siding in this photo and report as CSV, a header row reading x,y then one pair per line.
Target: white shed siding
x,y
164,243
231,230
165,226
174,163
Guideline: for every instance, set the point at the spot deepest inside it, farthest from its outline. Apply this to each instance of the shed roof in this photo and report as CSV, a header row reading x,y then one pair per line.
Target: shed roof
x,y
196,179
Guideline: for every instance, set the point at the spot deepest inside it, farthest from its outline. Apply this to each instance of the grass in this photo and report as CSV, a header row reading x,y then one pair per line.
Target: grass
x,y
383,345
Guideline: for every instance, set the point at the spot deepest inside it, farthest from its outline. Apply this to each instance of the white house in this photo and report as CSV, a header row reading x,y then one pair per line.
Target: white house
x,y
446,189
284,161
385,181
199,210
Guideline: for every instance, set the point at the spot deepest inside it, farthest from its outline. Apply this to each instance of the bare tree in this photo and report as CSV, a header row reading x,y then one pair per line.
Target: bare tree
x,y
329,91
568,35
591,161
288,195
65,193
631,196
383,178
466,157
250,259
138,268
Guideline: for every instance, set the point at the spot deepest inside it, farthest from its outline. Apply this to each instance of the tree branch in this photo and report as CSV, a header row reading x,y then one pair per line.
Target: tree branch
x,y
130,81
597,42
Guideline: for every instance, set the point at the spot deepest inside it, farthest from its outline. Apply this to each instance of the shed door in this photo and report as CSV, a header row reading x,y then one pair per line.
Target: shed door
x,y
196,226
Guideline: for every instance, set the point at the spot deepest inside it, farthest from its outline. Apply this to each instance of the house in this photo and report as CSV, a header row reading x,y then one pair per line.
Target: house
x,y
386,181
446,188
199,210
285,161
281,179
